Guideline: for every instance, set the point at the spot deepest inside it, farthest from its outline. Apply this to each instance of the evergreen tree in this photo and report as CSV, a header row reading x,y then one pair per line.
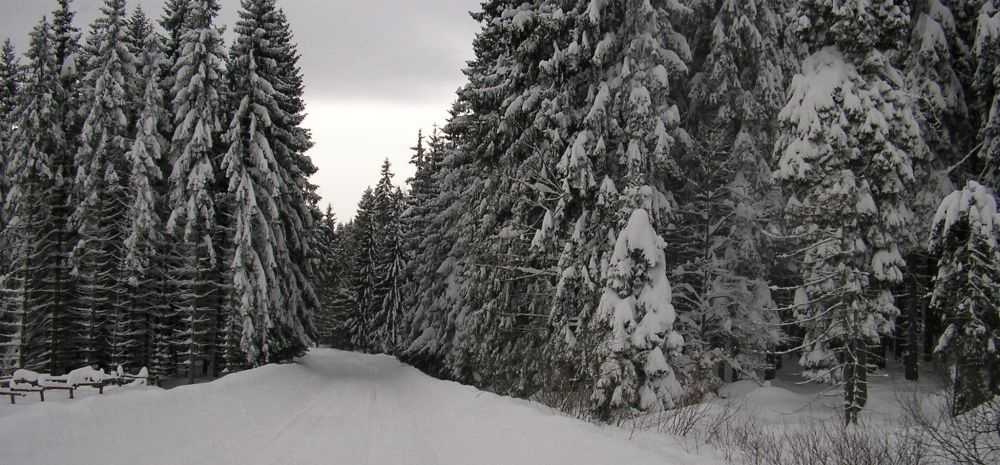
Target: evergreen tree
x,y
845,153
104,320
967,292
938,58
430,228
69,100
364,271
148,338
726,311
140,30
566,103
618,158
36,287
986,84
10,87
344,252
266,165
636,308
195,146
298,202
69,61
10,82
70,65
390,264
329,270
174,22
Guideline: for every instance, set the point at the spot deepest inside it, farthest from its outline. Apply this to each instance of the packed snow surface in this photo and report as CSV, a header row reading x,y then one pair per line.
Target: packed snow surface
x,y
330,408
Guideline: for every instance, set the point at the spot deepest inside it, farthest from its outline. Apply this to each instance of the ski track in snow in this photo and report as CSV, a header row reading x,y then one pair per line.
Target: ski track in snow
x,y
331,408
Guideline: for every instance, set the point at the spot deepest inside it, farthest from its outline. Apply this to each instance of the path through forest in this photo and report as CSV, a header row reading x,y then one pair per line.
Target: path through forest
x,y
331,408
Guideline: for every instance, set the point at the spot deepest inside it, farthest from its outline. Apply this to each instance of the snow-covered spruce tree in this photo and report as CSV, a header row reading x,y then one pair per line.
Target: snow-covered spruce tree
x,y
486,293
63,123
384,313
10,81
725,310
636,306
334,252
271,301
379,264
847,141
174,22
417,218
938,56
299,202
439,265
427,159
10,85
139,31
195,145
383,214
268,84
341,301
364,269
521,164
329,271
617,158
422,191
967,292
986,86
103,319
35,288
70,64
295,139
428,266
393,259
148,338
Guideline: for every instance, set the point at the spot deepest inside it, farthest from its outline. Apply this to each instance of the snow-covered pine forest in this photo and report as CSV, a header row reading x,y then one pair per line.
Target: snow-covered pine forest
x,y
158,206
633,203
636,202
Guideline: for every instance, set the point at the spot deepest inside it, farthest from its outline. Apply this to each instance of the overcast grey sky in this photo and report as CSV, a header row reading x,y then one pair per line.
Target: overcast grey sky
x,y
376,72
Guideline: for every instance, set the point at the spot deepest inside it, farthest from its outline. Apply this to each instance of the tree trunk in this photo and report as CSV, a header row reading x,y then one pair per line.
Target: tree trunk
x,y
910,356
773,363
855,380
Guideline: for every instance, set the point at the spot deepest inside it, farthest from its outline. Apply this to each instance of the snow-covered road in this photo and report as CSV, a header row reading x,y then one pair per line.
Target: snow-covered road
x,y
331,408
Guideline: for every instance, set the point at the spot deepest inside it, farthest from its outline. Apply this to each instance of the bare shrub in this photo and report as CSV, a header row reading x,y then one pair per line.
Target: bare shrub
x,y
969,439
682,422
743,440
828,444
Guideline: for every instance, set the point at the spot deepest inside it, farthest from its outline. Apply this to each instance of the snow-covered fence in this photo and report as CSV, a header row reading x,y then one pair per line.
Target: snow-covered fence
x,y
8,393
24,382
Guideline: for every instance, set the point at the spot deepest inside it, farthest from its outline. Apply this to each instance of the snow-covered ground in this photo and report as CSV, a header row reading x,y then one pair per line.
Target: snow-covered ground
x,y
789,400
331,408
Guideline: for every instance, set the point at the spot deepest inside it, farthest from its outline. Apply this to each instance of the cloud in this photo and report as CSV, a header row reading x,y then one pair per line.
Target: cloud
x,y
399,50
385,50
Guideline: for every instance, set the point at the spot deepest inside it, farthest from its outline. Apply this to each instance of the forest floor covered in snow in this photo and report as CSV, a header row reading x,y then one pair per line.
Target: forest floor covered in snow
x,y
789,400
781,420
329,408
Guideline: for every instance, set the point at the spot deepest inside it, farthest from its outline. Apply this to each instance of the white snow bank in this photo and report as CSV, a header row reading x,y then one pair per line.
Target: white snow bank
x,y
332,407
86,375
25,379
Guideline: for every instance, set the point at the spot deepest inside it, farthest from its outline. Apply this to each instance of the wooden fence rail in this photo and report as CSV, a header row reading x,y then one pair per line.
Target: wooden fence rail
x,y
12,388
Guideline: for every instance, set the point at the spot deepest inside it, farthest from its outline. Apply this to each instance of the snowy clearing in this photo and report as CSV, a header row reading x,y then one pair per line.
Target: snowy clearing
x,y
788,401
331,408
